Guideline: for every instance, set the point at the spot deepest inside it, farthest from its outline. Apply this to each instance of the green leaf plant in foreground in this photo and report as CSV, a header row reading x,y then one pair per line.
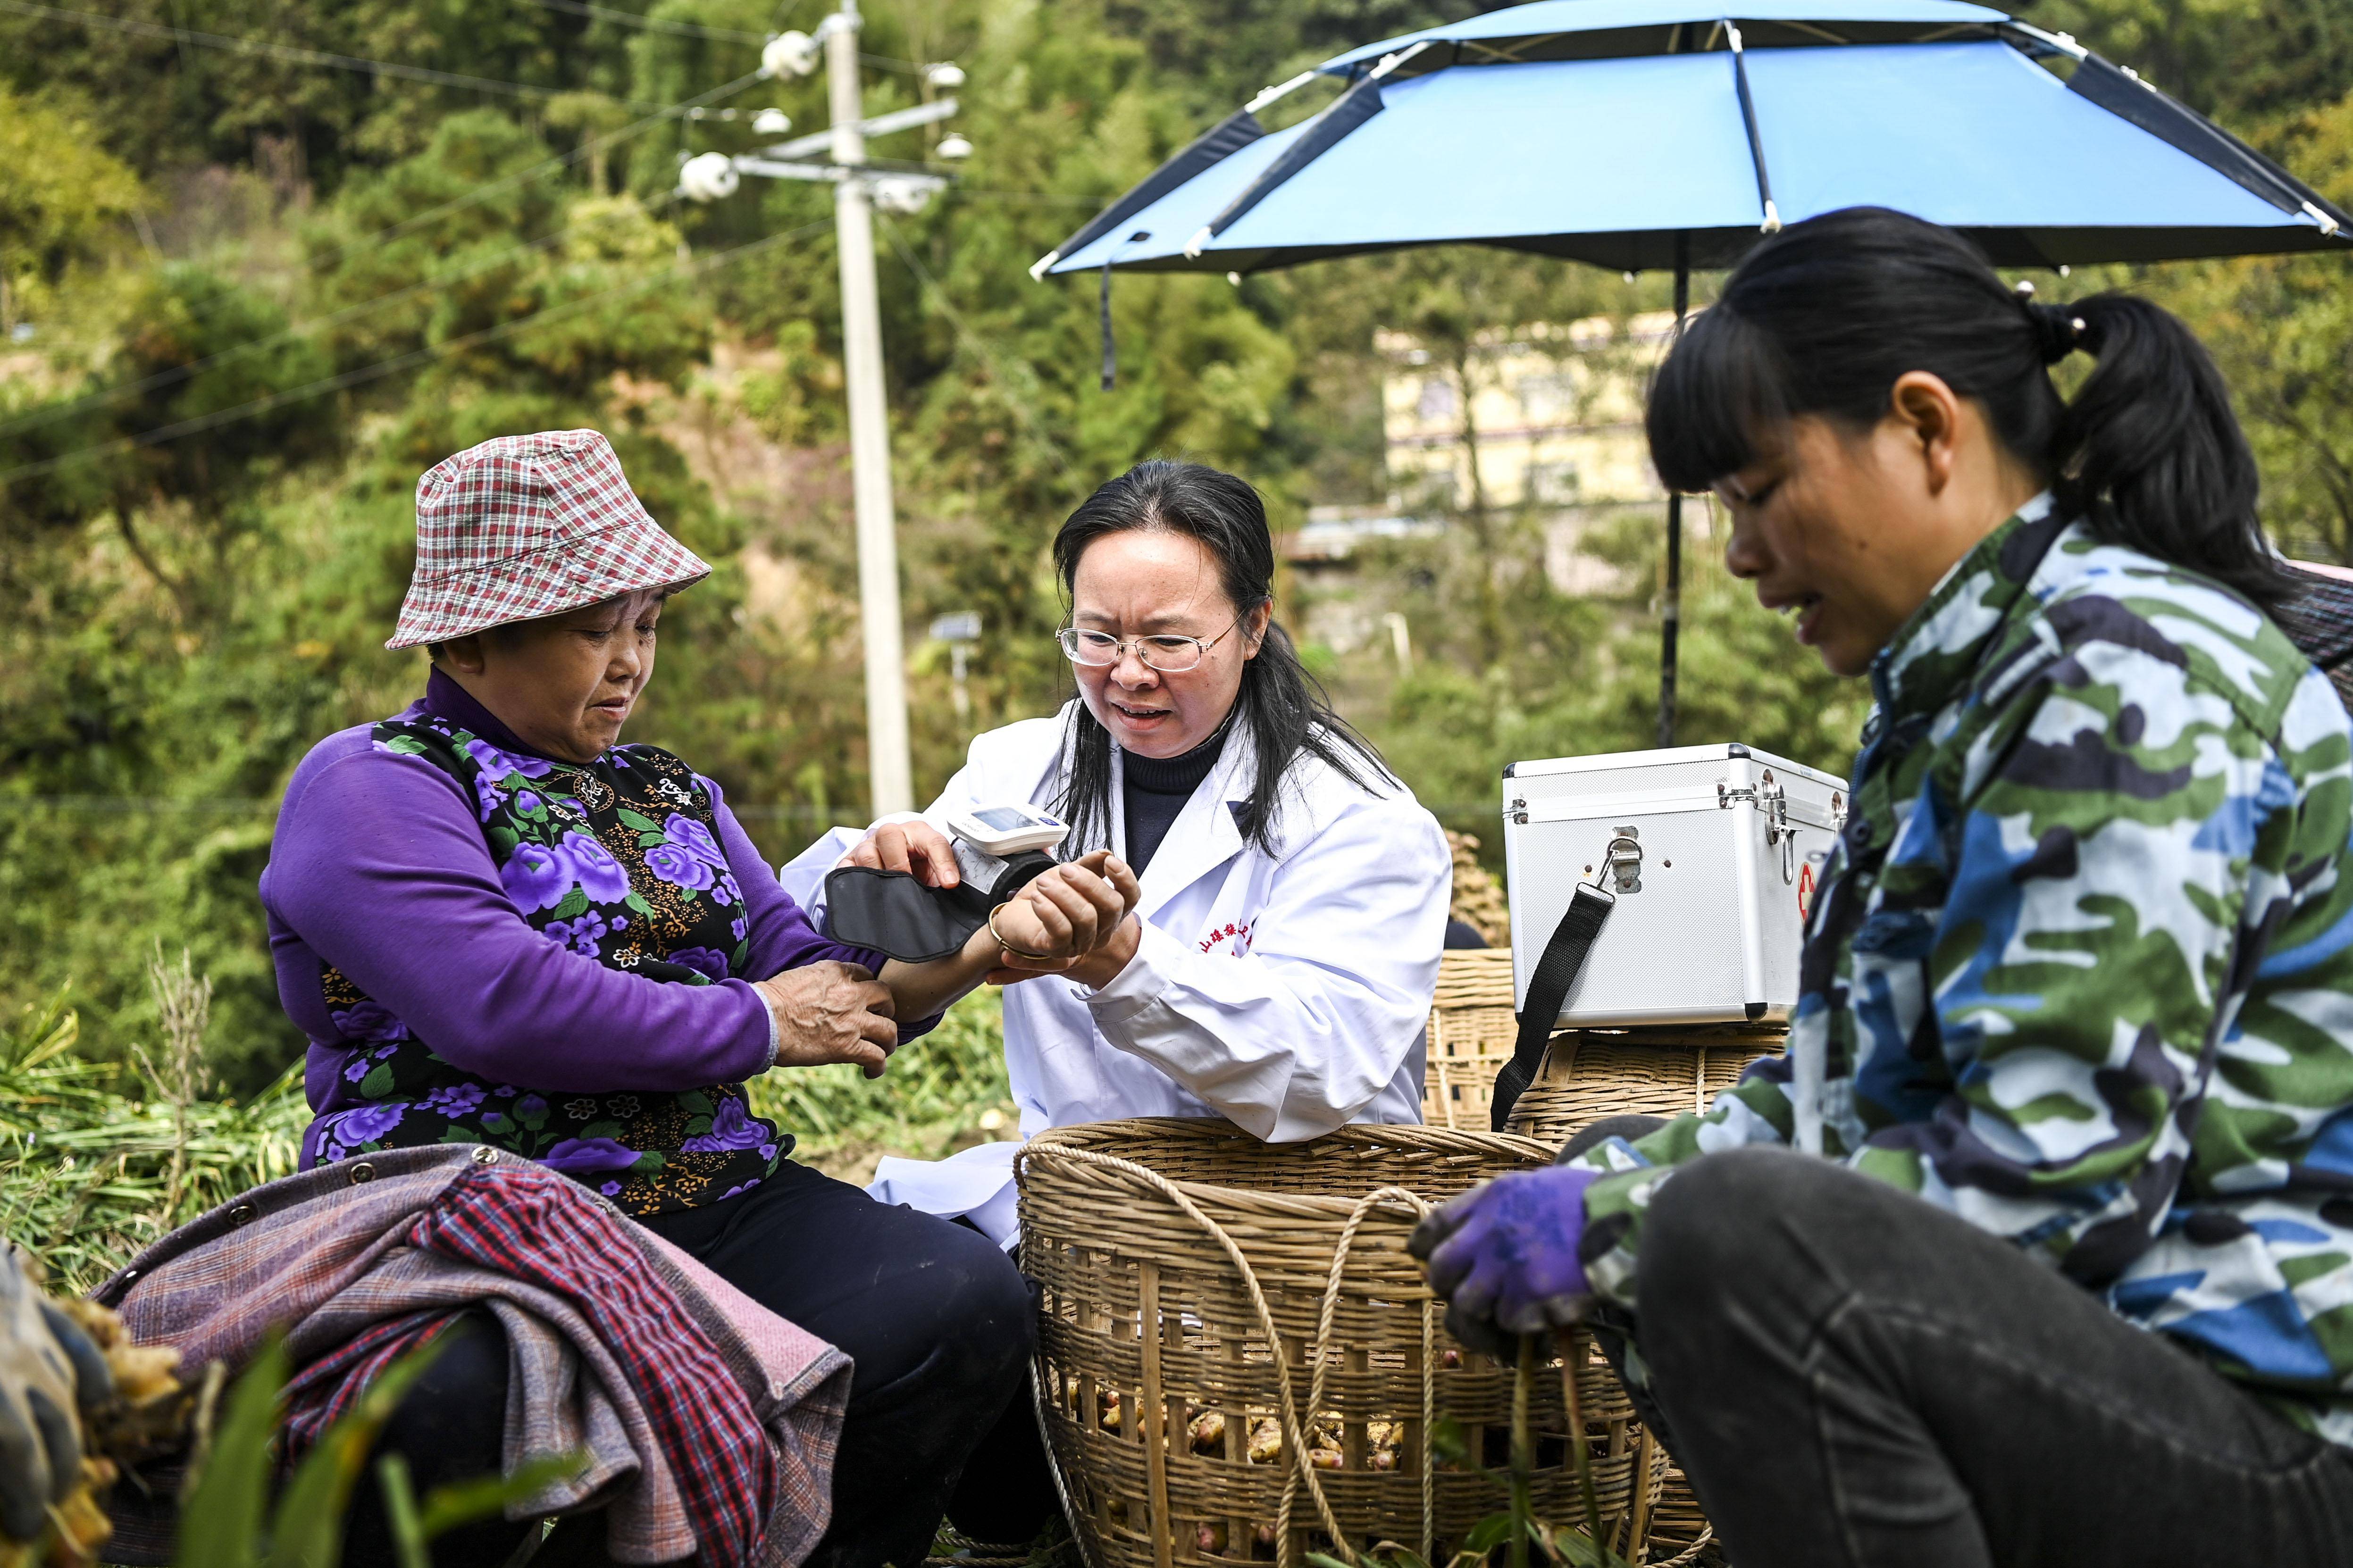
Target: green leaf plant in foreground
x,y
221,1522
1516,1529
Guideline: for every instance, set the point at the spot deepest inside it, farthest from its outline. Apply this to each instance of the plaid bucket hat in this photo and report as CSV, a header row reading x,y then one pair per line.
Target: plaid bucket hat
x,y
525,526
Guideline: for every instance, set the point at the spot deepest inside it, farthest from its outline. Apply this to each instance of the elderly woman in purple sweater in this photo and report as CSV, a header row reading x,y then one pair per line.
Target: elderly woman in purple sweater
x,y
498,925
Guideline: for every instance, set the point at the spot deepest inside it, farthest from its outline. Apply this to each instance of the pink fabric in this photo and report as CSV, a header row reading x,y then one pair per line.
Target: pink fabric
x,y
525,526
788,1353
710,1424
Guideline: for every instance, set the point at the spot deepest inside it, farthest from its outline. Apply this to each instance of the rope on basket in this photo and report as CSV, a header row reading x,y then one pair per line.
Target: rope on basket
x,y
1324,1360
1054,1466
1691,1554
1302,1469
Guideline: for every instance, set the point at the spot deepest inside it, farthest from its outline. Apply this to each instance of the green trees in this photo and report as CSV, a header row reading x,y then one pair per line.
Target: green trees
x,y
61,200
326,280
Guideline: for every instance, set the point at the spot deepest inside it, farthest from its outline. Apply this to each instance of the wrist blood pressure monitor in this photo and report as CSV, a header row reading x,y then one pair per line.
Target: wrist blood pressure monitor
x,y
1000,849
1002,830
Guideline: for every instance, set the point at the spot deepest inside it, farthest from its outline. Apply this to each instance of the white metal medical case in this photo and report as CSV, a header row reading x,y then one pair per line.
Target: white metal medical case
x,y
1713,854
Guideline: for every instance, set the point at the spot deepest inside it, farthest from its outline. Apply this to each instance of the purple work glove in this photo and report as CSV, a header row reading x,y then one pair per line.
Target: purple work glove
x,y
1505,1256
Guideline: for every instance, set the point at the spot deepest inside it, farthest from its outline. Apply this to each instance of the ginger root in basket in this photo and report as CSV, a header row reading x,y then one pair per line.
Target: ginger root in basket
x,y
1478,901
1209,1433
1214,1539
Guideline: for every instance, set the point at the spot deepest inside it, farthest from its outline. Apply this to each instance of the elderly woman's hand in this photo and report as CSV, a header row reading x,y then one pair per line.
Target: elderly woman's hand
x,y
1079,911
914,845
830,1012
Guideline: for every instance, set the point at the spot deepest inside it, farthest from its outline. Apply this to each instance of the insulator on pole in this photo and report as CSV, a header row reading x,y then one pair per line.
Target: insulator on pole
x,y
708,177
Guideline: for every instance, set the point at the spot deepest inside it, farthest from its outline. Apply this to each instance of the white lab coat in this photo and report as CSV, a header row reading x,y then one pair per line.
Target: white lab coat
x,y
1286,990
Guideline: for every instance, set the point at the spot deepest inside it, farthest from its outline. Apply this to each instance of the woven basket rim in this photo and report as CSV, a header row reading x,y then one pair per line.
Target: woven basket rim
x,y
1127,1133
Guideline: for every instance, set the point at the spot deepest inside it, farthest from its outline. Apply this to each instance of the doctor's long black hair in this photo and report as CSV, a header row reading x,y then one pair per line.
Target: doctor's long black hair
x,y
1823,318
1282,707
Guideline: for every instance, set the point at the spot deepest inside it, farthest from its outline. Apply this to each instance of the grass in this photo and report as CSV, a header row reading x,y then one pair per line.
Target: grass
x,y
97,1160
90,1174
943,1092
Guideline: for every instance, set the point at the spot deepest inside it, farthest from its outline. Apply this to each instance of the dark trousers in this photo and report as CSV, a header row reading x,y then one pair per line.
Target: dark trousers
x,y
938,1321
1855,1378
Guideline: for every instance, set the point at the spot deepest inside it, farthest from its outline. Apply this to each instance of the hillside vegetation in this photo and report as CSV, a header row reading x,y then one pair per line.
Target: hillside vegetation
x,y
246,296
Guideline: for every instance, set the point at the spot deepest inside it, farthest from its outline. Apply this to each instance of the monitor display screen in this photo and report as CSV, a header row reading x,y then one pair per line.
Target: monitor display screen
x,y
1004,818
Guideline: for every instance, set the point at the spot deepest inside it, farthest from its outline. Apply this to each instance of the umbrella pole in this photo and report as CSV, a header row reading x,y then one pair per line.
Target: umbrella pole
x,y
1673,596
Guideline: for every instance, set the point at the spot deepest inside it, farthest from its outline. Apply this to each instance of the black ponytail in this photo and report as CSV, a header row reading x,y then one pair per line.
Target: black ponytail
x,y
1825,316
1282,707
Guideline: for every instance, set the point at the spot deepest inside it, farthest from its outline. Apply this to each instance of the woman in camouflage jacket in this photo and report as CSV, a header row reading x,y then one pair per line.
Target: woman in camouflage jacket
x,y
2037,1247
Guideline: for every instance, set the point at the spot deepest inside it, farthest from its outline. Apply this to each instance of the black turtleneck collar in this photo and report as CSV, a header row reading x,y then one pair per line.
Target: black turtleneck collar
x,y
1155,790
1173,775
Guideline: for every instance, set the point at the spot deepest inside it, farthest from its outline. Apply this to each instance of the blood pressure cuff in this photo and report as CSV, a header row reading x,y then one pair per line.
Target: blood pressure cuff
x,y
894,912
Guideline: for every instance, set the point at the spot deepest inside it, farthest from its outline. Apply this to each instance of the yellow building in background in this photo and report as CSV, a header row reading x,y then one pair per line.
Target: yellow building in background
x,y
1545,415
1540,425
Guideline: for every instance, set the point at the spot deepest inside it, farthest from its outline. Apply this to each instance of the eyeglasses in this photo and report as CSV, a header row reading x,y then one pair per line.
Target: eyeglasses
x,y
1166,653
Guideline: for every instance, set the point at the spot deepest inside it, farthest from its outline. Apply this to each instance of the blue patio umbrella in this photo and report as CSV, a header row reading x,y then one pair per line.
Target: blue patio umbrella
x,y
1639,134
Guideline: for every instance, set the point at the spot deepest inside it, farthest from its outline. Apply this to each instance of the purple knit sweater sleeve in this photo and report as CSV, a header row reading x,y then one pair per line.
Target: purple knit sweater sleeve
x,y
380,868
781,935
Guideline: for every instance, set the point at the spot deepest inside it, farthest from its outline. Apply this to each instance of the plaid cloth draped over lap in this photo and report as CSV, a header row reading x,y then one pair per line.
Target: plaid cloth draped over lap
x,y
710,1424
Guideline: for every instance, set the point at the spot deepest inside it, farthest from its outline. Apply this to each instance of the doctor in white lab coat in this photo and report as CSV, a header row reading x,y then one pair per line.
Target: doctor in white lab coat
x,y
1278,968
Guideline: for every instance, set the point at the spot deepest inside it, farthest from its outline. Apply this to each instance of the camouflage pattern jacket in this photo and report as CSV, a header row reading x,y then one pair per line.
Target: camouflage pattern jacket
x,y
2082,970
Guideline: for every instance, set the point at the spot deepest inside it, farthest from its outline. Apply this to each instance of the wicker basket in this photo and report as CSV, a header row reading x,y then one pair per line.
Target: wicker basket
x,y
1471,1033
1588,1074
1209,1298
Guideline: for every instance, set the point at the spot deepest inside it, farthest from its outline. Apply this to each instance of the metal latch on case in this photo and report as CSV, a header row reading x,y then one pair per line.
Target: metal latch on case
x,y
1622,861
1767,796
1772,798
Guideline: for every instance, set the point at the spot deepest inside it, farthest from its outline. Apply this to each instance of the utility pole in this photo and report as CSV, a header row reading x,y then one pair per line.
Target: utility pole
x,y
713,176
890,771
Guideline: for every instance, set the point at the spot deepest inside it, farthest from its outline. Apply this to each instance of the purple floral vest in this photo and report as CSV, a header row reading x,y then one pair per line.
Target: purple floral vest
x,y
616,859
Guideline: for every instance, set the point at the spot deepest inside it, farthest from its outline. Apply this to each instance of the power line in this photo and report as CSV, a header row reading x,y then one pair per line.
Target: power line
x,y
1034,198
291,52
483,192
654,23
699,30
53,413
393,366
978,344
50,414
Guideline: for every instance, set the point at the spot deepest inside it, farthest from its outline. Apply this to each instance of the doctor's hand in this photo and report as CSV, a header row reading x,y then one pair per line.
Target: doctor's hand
x,y
1504,1255
830,1012
912,845
1073,920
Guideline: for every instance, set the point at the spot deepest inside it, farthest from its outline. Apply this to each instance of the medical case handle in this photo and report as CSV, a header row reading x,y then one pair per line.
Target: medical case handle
x,y
1556,973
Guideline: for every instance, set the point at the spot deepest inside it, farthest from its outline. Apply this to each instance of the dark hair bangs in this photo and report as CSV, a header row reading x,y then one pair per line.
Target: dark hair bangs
x,y
1715,401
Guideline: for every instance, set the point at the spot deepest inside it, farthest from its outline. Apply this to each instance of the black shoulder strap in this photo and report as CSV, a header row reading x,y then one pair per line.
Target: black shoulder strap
x,y
1548,985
